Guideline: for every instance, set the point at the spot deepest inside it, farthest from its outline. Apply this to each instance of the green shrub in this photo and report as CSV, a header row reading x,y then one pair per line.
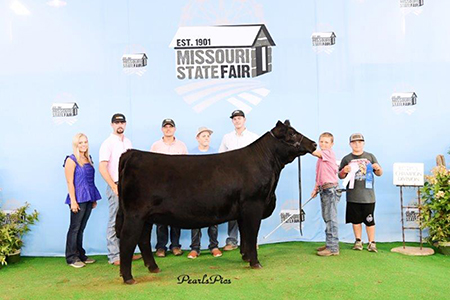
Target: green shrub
x,y
435,196
12,228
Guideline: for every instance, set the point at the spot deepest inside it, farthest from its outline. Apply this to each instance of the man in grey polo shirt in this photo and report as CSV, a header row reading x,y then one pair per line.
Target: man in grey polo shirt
x,y
238,138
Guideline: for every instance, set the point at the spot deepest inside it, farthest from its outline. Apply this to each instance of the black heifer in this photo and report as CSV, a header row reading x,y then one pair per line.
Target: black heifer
x,y
196,191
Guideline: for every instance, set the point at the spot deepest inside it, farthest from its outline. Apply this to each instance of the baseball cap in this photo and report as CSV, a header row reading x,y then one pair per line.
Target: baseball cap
x,y
118,118
203,128
168,122
356,137
237,113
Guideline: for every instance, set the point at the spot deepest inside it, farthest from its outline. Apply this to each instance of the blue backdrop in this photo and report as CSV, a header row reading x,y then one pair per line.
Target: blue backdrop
x,y
71,51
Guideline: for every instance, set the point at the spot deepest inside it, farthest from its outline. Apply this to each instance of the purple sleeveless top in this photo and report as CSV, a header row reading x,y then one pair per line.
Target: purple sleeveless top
x,y
83,180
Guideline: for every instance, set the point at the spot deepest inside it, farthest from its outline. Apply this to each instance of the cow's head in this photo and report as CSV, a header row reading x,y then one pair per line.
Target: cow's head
x,y
295,143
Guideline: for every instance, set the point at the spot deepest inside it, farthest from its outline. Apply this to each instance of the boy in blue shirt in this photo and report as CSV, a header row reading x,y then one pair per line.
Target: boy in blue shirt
x,y
204,138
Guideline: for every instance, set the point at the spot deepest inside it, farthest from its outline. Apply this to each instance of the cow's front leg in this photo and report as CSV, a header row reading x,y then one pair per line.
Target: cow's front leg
x,y
146,251
243,249
131,232
251,223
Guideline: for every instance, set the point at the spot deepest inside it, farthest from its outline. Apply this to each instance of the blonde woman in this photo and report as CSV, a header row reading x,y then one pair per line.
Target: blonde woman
x,y
82,198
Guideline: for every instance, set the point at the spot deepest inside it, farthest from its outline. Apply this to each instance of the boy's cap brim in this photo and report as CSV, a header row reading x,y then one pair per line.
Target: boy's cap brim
x,y
356,137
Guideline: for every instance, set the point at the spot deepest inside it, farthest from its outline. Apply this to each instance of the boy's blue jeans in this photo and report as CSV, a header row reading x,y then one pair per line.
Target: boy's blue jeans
x,y
196,235
329,199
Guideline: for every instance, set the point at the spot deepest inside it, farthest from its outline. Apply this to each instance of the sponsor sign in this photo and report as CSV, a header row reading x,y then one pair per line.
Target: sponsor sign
x,y
408,174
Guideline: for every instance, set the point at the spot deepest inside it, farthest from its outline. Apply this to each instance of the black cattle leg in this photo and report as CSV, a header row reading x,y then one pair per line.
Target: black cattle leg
x,y
146,251
243,249
251,223
130,235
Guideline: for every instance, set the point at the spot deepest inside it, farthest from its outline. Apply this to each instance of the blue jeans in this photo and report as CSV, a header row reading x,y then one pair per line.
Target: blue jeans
x,y
232,233
74,243
162,237
112,242
196,235
329,199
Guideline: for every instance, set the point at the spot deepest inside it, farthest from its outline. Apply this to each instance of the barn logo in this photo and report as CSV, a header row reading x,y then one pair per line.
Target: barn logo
x,y
404,102
134,60
69,109
64,109
323,41
223,63
137,60
410,7
411,3
289,215
412,216
222,52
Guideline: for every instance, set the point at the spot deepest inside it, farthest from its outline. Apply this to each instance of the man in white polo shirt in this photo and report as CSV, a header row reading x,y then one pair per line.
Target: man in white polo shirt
x,y
110,152
238,138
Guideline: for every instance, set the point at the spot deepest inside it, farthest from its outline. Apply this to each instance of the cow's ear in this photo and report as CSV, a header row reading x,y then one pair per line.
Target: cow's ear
x,y
287,123
280,130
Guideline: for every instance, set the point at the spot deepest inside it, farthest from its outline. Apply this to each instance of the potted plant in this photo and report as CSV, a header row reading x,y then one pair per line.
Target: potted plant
x,y
13,227
435,208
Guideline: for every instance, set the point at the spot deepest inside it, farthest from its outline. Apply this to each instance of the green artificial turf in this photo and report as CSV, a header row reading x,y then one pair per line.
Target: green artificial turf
x,y
291,271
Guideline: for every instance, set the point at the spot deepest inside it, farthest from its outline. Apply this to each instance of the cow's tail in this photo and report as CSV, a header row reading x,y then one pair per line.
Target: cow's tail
x,y
122,167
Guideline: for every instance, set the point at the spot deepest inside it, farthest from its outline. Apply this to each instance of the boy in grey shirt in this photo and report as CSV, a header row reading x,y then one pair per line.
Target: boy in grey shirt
x,y
358,168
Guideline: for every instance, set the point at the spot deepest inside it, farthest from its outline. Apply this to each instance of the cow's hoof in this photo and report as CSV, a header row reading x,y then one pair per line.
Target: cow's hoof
x,y
256,266
245,258
157,270
130,281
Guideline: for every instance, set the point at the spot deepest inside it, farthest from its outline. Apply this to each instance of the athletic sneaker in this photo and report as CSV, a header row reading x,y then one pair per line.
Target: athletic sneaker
x,y
358,245
77,264
372,247
89,261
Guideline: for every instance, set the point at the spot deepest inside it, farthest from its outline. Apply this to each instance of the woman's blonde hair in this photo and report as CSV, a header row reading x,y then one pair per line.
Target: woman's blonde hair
x,y
76,152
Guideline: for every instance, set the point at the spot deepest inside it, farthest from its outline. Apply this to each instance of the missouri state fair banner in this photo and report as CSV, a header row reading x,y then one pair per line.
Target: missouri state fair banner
x,y
344,66
220,52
